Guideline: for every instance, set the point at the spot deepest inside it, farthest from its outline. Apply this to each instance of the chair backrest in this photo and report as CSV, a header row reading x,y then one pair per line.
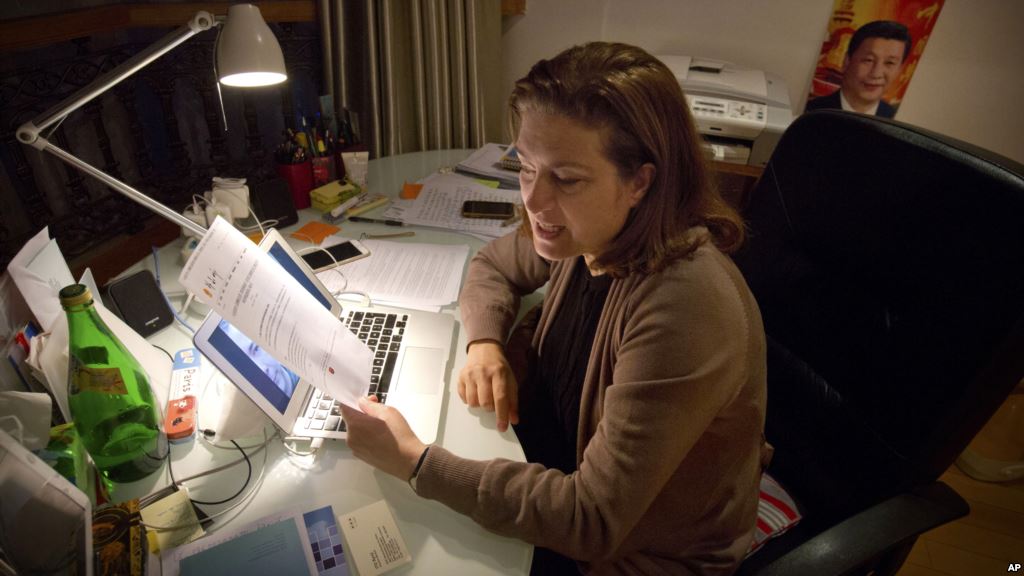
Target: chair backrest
x,y
889,266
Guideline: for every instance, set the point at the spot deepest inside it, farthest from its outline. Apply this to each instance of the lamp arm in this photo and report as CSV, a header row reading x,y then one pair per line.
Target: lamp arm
x,y
125,189
29,132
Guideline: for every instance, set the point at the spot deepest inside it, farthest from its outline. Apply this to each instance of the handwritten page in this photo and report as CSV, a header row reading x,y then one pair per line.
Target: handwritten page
x,y
439,204
403,273
249,289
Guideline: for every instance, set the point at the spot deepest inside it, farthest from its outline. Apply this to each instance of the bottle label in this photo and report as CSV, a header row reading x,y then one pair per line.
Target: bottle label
x,y
101,380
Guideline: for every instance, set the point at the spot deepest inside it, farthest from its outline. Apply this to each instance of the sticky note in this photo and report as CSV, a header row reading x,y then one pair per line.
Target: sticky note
x,y
410,191
315,231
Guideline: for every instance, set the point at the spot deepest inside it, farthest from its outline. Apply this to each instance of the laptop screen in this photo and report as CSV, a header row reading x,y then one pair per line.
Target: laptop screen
x,y
275,382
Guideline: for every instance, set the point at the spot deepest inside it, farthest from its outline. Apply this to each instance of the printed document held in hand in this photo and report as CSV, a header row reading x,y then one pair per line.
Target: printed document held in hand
x,y
249,289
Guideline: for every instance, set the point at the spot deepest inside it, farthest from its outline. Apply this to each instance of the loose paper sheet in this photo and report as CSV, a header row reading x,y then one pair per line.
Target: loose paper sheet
x,y
439,204
39,271
403,273
249,289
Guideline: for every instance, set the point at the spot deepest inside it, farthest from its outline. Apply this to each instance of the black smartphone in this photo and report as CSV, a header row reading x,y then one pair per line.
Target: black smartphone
x,y
486,209
331,256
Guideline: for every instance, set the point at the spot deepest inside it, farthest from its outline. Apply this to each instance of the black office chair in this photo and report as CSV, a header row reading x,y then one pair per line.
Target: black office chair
x,y
889,266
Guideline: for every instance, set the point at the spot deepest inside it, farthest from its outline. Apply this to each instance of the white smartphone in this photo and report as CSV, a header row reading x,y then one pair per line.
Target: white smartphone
x,y
331,256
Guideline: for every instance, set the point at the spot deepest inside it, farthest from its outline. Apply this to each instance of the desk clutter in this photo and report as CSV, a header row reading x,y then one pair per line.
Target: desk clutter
x,y
171,527
320,149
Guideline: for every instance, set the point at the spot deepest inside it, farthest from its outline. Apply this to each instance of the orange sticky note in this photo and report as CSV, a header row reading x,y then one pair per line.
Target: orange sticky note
x,y
410,191
315,231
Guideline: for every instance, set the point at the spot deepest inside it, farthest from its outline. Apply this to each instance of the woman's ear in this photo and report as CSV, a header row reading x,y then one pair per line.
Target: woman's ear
x,y
642,181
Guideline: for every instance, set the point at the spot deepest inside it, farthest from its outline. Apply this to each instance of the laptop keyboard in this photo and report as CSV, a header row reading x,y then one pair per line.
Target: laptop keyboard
x,y
382,332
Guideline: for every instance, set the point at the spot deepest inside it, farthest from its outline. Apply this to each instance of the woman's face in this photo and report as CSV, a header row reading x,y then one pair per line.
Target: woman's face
x,y
572,192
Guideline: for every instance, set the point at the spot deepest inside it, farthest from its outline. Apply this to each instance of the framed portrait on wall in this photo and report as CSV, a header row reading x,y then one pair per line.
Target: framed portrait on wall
x,y
870,53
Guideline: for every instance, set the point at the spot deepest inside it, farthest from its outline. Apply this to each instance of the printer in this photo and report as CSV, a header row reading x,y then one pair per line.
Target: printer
x,y
741,113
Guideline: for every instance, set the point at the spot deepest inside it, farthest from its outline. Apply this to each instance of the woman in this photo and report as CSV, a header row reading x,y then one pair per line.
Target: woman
x,y
643,408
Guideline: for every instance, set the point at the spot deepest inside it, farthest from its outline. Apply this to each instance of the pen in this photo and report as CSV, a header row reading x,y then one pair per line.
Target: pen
x,y
377,221
341,208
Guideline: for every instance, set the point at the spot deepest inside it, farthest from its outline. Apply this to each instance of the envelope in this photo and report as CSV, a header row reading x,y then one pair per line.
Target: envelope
x,y
39,271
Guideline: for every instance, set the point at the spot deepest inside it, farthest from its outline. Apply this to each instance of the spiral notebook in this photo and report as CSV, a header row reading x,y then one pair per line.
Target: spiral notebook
x,y
510,160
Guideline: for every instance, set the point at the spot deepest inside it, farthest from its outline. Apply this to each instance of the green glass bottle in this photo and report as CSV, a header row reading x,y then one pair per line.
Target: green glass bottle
x,y
112,405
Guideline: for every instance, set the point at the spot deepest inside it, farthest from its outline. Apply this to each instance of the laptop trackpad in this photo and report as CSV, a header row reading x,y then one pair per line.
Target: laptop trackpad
x,y
422,370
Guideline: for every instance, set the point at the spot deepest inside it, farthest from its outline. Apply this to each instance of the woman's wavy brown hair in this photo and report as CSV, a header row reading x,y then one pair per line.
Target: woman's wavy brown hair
x,y
638,104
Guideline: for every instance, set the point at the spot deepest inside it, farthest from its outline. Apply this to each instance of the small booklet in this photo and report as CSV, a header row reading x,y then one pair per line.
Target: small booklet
x,y
374,542
273,545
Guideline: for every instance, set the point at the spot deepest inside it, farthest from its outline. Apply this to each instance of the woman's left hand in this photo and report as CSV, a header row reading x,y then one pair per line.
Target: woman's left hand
x,y
380,436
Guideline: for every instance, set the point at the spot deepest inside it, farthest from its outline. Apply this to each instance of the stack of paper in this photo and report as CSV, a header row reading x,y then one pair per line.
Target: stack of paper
x,y
487,162
410,275
439,204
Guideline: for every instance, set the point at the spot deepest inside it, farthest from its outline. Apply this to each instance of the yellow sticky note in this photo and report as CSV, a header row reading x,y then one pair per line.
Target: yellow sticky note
x,y
488,183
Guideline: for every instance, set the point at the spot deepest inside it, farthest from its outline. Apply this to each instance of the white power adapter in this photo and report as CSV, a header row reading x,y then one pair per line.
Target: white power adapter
x,y
196,214
215,208
233,193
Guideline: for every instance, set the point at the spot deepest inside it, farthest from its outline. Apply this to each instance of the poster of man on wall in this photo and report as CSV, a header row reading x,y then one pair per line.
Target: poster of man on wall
x,y
870,54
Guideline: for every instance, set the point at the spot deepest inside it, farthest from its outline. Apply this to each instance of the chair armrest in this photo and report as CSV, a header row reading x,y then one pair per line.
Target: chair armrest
x,y
871,533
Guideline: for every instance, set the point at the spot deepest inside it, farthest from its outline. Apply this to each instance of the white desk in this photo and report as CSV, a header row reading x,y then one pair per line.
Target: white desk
x,y
440,540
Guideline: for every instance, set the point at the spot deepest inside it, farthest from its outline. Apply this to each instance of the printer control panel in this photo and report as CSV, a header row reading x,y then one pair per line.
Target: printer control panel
x,y
727,117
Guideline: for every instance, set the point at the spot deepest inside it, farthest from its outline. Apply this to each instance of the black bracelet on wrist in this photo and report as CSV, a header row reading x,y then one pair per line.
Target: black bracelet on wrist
x,y
419,464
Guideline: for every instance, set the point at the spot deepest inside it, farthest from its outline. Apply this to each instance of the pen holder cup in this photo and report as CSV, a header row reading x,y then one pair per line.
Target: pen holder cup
x,y
300,181
323,170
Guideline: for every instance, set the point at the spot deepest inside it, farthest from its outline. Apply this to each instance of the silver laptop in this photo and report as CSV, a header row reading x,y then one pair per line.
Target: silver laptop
x,y
412,353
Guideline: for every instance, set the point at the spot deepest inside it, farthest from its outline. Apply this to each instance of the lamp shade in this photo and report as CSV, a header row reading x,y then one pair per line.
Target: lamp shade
x,y
247,52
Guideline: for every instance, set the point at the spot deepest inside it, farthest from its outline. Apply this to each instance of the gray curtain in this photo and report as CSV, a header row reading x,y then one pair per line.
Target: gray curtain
x,y
415,74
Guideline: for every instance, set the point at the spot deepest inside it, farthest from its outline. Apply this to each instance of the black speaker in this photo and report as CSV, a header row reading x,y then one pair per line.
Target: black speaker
x,y
137,300
271,200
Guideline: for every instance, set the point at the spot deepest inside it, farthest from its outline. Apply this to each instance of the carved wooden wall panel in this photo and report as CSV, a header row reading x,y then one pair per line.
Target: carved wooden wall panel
x,y
160,131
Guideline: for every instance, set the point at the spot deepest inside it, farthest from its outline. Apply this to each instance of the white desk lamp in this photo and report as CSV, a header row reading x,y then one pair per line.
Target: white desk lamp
x,y
248,55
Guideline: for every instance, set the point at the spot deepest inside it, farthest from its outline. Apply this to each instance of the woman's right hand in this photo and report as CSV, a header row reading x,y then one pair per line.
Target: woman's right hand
x,y
487,380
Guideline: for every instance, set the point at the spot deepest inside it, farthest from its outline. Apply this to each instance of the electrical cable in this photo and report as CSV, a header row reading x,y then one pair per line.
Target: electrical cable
x,y
334,262
366,301
314,446
242,500
156,267
248,477
169,357
216,76
235,462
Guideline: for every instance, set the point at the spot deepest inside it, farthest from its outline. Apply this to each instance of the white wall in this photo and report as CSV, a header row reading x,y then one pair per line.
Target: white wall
x,y
967,85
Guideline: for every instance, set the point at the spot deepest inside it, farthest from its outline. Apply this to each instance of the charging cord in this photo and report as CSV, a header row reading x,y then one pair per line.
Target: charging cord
x,y
177,316
242,500
314,445
334,261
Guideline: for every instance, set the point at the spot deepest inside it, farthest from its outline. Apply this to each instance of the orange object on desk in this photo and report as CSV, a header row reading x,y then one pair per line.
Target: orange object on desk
x,y
315,232
410,191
